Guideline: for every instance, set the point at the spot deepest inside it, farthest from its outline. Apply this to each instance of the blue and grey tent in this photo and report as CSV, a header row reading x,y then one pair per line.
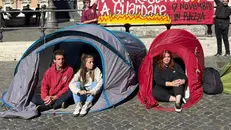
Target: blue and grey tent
x,y
118,55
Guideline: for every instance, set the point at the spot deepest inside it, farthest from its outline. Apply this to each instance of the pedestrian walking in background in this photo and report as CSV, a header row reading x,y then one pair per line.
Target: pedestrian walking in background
x,y
28,15
38,15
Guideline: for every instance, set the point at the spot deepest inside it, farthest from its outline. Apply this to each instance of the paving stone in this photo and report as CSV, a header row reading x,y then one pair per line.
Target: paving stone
x,y
109,126
33,128
116,125
226,128
127,126
135,128
3,127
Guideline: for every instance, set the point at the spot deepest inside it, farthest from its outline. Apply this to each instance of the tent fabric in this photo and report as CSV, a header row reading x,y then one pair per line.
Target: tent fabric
x,y
20,88
136,51
225,74
183,44
119,75
104,34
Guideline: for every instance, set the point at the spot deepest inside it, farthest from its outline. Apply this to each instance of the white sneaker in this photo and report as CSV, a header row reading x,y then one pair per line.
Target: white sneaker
x,y
184,100
178,107
85,108
77,109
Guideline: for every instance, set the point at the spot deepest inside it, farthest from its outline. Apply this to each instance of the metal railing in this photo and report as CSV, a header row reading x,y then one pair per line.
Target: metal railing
x,y
49,24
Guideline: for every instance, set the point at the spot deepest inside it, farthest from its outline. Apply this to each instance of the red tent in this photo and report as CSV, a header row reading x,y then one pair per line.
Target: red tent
x,y
188,48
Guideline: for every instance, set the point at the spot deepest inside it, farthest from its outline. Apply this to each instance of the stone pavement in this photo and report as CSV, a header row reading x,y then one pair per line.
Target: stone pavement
x,y
211,113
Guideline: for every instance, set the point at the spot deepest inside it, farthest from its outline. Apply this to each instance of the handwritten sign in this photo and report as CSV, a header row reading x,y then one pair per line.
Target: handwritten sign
x,y
156,11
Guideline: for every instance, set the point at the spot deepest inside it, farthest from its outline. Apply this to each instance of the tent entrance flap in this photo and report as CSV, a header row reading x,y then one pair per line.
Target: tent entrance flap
x,y
183,44
73,52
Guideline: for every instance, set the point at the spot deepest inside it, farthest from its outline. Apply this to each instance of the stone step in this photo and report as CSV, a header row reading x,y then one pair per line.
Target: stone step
x,y
11,51
152,31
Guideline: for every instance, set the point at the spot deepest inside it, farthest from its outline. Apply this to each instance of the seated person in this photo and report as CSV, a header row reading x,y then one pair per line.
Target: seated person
x,y
169,81
89,14
85,85
55,92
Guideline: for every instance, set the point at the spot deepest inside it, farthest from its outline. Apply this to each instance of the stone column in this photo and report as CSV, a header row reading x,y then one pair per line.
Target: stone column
x,y
51,21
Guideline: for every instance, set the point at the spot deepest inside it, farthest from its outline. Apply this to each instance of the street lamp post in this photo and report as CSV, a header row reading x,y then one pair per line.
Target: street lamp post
x,y
1,19
51,21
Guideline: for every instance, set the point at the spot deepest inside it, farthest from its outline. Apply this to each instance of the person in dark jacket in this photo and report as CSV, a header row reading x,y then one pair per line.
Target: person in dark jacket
x,y
28,15
222,14
169,80
55,92
38,14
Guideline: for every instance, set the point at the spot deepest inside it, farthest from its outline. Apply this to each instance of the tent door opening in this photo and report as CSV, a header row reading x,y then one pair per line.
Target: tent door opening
x,y
73,52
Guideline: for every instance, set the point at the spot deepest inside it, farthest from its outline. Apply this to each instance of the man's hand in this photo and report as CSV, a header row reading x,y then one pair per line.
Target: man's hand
x,y
90,21
94,20
53,98
50,99
47,100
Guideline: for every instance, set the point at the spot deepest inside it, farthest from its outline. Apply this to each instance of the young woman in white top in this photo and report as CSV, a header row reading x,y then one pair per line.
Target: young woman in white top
x,y
86,83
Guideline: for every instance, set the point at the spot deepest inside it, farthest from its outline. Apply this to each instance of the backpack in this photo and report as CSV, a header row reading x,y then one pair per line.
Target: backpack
x,y
211,81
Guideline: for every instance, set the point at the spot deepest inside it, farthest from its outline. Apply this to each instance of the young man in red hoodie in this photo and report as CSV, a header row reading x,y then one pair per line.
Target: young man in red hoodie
x,y
55,92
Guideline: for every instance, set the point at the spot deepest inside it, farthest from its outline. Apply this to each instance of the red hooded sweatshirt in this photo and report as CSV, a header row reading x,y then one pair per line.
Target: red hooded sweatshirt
x,y
55,83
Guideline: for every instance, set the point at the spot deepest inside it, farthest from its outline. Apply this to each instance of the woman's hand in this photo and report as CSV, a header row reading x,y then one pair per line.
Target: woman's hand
x,y
179,82
171,84
174,83
89,92
82,92
182,81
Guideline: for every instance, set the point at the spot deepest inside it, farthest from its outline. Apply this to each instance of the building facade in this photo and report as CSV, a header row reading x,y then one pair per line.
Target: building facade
x,y
19,4
59,4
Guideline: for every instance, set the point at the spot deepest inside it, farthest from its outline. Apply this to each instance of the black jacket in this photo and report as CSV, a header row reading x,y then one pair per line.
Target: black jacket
x,y
222,11
161,76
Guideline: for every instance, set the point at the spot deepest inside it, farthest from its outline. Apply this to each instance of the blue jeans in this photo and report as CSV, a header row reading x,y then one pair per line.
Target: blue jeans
x,y
81,98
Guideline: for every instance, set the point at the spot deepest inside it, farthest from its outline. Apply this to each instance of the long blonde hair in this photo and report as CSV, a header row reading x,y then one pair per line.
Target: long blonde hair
x,y
83,69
